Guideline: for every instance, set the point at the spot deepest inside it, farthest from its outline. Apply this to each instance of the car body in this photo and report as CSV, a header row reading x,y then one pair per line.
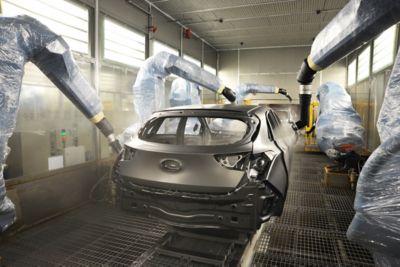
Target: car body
x,y
210,166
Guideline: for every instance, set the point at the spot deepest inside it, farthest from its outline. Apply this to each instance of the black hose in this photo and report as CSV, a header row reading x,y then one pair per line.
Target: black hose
x,y
285,93
304,77
311,130
306,74
305,101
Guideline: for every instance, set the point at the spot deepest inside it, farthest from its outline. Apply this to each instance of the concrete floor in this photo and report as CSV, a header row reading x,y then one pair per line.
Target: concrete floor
x,y
311,231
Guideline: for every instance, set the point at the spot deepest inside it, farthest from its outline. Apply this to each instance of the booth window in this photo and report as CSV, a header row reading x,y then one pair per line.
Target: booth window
x,y
160,47
364,61
192,59
122,44
63,17
384,50
210,69
51,133
351,73
123,54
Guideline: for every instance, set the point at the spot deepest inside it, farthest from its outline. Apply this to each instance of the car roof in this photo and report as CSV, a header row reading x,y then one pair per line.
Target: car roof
x,y
249,109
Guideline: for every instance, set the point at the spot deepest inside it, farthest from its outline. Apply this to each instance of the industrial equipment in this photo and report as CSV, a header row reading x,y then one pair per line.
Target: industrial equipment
x,y
377,202
338,127
26,39
149,88
252,88
358,22
310,138
376,222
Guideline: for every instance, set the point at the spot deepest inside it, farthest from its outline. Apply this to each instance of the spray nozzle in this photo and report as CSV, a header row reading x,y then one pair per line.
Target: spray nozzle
x,y
229,94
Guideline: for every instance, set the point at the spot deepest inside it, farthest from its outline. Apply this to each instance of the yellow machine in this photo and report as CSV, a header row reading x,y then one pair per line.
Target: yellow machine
x,y
310,136
247,102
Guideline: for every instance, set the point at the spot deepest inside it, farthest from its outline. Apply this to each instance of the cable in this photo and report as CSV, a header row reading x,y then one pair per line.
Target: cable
x,y
106,176
95,186
285,93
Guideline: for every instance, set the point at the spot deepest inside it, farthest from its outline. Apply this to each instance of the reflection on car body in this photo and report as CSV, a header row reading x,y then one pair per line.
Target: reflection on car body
x,y
208,166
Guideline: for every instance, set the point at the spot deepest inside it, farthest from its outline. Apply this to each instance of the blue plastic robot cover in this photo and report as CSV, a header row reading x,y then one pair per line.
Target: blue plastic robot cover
x,y
252,88
149,87
376,224
358,22
338,128
23,39
184,93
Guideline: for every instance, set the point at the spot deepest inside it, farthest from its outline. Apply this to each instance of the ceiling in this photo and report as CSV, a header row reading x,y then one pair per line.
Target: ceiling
x,y
255,23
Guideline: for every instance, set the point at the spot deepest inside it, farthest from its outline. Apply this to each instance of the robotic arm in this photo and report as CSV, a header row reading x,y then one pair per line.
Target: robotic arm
x,y
253,88
24,38
149,89
358,22
57,63
189,71
375,224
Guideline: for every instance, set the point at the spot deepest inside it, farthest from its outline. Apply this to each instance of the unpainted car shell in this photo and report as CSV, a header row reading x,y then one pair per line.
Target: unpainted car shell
x,y
204,194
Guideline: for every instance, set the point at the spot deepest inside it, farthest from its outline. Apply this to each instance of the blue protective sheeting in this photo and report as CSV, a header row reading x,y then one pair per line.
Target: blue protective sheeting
x,y
358,22
376,224
338,128
184,93
23,39
252,88
149,87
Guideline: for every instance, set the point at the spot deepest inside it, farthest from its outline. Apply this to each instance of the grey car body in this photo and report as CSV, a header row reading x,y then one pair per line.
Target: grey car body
x,y
235,185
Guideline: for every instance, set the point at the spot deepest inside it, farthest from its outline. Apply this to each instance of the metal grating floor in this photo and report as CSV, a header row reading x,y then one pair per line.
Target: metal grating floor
x,y
95,235
310,232
312,228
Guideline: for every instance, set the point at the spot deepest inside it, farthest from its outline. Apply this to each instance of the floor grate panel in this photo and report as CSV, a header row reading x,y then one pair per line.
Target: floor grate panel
x,y
95,235
340,219
306,218
337,191
339,203
305,200
305,176
315,245
312,228
305,187
352,254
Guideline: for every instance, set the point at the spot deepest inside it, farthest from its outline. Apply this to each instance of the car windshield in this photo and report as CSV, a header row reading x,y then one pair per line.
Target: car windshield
x,y
195,131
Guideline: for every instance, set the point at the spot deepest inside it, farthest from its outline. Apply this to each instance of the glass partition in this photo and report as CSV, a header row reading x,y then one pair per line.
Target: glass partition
x,y
117,97
51,133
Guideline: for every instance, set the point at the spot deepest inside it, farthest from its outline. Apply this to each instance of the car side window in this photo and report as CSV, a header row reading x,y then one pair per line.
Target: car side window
x,y
277,119
168,126
193,132
193,126
270,124
272,120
